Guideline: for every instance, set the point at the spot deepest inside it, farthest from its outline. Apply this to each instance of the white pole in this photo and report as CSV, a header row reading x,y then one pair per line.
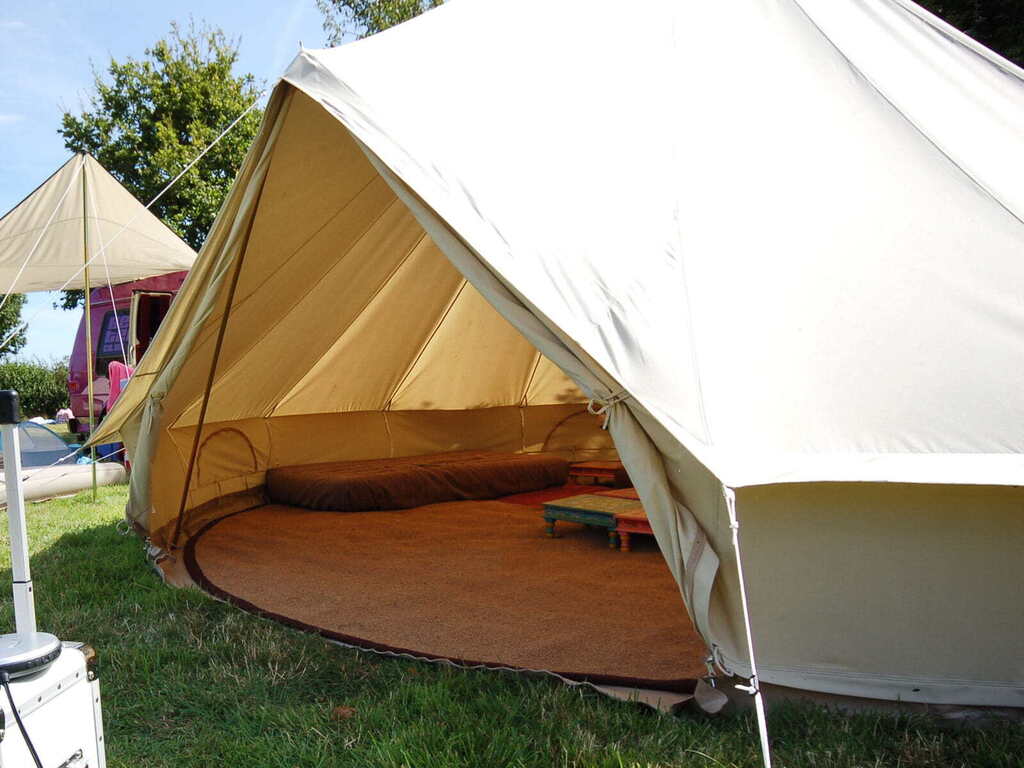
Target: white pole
x,y
24,603
754,688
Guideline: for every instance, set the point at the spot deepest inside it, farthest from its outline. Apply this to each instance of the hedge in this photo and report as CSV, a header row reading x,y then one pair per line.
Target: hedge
x,y
42,386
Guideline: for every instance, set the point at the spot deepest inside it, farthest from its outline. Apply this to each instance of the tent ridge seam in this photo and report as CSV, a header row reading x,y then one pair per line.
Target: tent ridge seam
x,y
362,309
906,118
283,262
227,371
304,243
524,400
694,360
426,343
40,186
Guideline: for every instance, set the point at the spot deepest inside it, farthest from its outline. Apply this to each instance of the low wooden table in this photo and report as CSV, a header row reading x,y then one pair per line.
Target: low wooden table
x,y
589,509
621,493
599,471
631,521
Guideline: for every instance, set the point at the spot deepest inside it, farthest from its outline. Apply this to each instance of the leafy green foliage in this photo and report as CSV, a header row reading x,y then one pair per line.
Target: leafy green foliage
x,y
42,386
10,318
70,299
996,24
155,115
362,18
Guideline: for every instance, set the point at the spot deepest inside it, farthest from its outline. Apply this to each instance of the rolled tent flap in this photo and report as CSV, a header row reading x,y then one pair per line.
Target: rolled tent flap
x,y
791,273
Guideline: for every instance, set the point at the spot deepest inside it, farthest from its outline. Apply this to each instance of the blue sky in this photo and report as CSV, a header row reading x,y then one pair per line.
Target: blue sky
x,y
47,53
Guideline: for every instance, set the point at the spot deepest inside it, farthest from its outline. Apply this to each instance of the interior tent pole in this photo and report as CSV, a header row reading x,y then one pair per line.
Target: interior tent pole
x,y
221,330
754,687
89,357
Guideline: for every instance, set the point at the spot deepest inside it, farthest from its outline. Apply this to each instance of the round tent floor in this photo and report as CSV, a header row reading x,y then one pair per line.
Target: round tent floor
x,y
473,581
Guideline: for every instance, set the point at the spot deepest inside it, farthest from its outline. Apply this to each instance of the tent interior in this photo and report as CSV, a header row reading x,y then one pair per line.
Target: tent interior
x,y
352,337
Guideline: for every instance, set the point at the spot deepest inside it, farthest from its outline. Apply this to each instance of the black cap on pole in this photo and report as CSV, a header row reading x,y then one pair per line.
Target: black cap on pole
x,y
10,408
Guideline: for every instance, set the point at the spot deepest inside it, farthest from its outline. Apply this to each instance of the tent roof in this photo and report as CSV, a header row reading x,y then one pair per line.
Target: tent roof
x,y
83,190
804,258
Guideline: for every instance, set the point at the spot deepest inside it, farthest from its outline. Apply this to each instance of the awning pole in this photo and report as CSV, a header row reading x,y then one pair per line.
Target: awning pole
x,y
24,604
754,687
89,357
208,389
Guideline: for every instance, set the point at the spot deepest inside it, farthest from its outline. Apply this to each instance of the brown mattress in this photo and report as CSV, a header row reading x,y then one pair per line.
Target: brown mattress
x,y
414,481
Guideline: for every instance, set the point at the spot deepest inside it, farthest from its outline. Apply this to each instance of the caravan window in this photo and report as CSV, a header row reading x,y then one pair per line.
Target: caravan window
x,y
109,343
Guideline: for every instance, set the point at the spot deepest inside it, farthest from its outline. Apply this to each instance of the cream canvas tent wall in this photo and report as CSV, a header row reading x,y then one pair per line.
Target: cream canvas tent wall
x,y
791,269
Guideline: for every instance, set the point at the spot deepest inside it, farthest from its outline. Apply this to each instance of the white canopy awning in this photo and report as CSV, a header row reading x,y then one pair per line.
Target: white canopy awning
x,y
43,240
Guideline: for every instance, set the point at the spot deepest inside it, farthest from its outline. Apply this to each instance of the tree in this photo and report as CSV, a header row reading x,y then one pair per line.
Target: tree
x,y
362,18
42,385
10,318
996,24
156,114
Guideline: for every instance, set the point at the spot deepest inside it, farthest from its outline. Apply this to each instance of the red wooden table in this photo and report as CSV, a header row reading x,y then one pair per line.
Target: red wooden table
x,y
599,471
631,521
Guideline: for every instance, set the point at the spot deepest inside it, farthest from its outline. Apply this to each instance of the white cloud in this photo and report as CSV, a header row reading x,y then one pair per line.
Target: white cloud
x,y
9,118
13,25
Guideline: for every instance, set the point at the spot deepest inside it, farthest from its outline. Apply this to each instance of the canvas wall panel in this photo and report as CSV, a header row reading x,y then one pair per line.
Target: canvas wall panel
x,y
310,439
885,589
421,432
568,430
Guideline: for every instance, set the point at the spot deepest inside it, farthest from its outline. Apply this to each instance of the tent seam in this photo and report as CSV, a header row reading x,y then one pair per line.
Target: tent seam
x,y
694,362
524,400
40,186
312,287
953,34
25,232
120,184
878,90
367,303
98,219
430,338
306,242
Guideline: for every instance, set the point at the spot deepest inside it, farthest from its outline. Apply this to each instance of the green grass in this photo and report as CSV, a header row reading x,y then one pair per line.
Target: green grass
x,y
188,681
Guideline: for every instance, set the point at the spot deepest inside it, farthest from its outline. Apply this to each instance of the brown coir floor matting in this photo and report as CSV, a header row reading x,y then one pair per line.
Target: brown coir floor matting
x,y
473,581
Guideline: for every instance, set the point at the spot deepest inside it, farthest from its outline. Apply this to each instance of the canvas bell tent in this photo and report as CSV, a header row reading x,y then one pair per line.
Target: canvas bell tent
x,y
788,274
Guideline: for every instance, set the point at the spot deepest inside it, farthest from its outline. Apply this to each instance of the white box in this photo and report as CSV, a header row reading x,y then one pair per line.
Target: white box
x,y
60,708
